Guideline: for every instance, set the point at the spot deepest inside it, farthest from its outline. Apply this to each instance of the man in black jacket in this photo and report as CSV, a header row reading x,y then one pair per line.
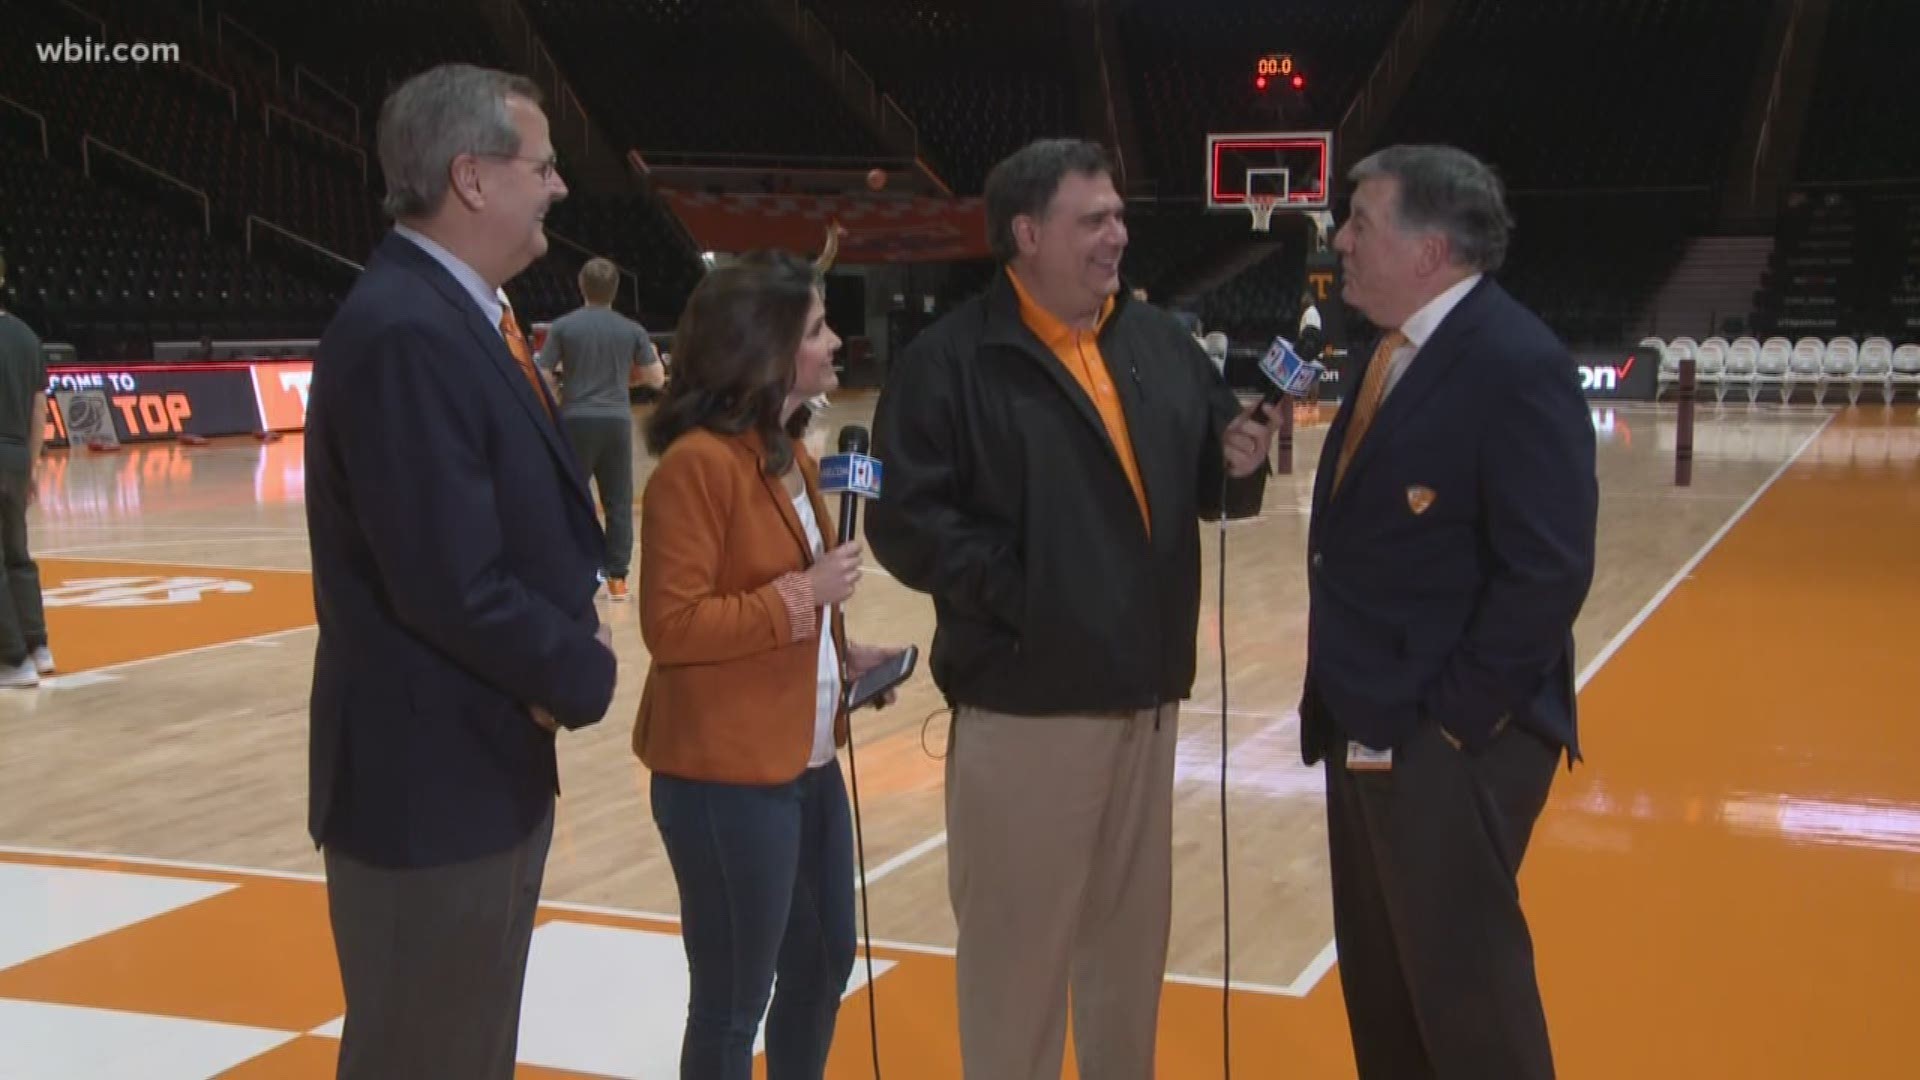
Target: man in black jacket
x,y
1050,447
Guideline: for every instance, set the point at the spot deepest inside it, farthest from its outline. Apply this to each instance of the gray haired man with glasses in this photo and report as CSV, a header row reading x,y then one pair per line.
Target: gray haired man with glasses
x,y
455,561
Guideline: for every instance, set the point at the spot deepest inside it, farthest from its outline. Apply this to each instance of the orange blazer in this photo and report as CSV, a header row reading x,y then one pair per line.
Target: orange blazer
x,y
728,615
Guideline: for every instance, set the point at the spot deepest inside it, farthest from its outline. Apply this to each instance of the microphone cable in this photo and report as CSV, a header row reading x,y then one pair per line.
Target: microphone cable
x,y
1226,888
866,916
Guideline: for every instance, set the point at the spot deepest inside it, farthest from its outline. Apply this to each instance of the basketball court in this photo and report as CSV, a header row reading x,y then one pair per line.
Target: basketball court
x,y
1727,882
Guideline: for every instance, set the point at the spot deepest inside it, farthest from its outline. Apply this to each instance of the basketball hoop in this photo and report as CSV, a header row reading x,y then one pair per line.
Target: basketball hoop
x,y
1261,207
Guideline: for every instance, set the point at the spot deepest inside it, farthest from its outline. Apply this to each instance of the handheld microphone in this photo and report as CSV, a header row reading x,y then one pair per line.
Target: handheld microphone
x,y
1311,344
853,475
1287,375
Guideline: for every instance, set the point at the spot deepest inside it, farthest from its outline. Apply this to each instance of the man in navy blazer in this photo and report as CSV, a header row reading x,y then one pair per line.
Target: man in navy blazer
x,y
455,559
1450,550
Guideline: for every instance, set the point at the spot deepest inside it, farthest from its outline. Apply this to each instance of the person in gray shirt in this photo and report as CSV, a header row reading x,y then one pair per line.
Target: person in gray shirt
x,y
24,655
592,353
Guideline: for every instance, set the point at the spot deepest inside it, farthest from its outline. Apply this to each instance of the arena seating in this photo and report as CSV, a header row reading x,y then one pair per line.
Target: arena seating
x,y
155,117
1588,95
1865,89
713,76
94,267
931,57
363,48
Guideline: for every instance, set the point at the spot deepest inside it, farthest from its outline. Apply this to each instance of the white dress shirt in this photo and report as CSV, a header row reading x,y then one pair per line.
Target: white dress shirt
x,y
1419,329
487,299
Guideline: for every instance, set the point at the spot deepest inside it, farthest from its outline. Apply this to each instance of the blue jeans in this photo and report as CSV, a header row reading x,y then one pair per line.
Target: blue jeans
x,y
766,889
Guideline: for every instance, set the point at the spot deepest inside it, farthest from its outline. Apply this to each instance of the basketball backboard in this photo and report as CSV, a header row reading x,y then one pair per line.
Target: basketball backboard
x,y
1291,165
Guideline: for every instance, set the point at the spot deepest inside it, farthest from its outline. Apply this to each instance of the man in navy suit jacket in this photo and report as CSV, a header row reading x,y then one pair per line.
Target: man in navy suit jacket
x,y
1450,550
455,559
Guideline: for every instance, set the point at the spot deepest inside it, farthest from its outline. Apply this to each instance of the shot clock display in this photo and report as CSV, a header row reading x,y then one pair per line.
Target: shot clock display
x,y
1278,68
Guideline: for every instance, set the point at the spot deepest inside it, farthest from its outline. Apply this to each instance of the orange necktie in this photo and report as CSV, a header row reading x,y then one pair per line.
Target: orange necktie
x,y
517,345
1372,389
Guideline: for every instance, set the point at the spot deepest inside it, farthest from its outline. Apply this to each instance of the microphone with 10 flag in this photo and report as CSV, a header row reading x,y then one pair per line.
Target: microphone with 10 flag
x,y
852,474
1286,373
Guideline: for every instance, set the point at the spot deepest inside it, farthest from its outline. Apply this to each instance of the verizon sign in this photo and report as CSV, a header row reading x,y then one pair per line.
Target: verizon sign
x,y
1624,375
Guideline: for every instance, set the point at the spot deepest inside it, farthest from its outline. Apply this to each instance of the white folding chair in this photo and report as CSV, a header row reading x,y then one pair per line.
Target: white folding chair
x,y
1839,364
1743,364
1710,366
1803,367
1905,370
1680,348
1874,367
1772,367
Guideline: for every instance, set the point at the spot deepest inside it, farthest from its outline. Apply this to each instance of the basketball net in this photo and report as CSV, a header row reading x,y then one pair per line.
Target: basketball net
x,y
1261,207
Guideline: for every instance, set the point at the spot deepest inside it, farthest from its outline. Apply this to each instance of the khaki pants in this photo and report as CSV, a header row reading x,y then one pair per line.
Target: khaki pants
x,y
1060,855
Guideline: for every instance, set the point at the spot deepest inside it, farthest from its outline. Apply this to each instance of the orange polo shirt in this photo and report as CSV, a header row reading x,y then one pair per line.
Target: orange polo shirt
x,y
1079,352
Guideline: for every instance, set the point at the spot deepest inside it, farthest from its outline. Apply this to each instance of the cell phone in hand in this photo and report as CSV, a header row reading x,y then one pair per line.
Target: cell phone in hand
x,y
869,687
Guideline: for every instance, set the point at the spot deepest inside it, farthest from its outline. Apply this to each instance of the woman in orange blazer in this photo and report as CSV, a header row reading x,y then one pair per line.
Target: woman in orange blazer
x,y
742,713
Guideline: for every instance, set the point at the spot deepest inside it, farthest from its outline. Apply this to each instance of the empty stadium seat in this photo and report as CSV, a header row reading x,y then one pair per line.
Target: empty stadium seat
x,y
1710,366
1903,371
1743,363
1773,366
1805,368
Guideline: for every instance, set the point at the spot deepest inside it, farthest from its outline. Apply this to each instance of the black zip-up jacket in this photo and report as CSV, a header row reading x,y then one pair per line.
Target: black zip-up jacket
x,y
1003,497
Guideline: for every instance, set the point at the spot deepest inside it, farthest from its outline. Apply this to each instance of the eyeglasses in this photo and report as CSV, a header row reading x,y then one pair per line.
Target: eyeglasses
x,y
544,168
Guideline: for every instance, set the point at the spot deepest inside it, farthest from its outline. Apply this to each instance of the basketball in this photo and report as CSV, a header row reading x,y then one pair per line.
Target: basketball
x,y
876,179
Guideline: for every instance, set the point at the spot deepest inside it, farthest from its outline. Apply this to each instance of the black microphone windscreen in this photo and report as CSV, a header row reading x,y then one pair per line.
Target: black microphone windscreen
x,y
853,439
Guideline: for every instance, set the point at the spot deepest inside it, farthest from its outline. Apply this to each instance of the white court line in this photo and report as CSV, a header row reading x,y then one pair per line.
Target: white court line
x,y
116,545
886,869
268,640
568,906
1686,570
1214,710
190,565
80,526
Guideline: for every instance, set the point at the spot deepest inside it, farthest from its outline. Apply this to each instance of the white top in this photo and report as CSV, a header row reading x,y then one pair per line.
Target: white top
x,y
1419,329
1310,317
828,696
491,302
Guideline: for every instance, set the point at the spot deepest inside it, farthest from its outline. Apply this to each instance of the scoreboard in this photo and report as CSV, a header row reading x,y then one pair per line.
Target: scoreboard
x,y
1278,68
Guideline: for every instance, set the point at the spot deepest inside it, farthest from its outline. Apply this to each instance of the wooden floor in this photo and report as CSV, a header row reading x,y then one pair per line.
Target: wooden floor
x,y
1727,888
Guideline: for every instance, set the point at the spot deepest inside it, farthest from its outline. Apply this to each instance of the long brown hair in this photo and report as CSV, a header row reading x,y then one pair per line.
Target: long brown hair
x,y
733,355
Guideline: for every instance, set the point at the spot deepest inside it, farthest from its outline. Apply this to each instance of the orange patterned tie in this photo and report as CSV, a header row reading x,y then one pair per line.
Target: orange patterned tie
x,y
1372,389
517,345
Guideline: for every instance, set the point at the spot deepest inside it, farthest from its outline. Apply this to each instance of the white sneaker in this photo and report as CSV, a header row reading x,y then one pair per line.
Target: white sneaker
x,y
21,676
43,660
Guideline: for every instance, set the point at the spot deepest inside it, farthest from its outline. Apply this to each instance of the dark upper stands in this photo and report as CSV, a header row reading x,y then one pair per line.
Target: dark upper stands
x,y
1589,263
161,117
364,48
981,78
1588,94
97,268
1861,124
1575,104
1846,261
1539,89
713,75
1847,258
